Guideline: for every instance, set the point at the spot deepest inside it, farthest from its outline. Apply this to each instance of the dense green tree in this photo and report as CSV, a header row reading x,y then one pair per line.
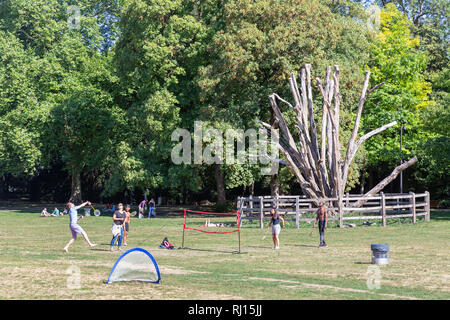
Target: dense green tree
x,y
21,119
67,67
397,61
262,43
155,56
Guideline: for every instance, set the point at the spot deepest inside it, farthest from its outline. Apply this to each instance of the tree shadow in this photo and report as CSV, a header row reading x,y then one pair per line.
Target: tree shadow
x,y
440,215
260,247
211,250
303,245
104,250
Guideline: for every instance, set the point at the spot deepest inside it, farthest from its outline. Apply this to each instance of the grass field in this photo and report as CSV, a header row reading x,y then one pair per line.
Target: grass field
x,y
33,265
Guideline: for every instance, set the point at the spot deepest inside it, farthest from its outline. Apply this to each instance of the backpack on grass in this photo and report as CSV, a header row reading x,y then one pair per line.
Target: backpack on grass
x,y
165,244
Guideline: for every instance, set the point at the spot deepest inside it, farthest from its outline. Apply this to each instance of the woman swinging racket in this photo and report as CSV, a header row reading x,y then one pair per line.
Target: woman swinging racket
x,y
74,226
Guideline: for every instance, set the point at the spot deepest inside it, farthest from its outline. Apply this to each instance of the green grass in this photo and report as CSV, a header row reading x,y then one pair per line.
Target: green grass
x,y
33,265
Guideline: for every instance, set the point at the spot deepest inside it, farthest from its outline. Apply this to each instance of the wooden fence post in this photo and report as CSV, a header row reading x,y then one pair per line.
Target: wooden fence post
x,y
261,212
427,206
250,204
347,200
412,200
297,212
383,209
341,212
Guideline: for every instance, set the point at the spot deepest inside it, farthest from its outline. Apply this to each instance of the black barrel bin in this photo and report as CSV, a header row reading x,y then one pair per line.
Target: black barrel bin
x,y
380,253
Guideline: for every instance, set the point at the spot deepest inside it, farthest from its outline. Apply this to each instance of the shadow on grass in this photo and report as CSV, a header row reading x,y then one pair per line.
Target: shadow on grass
x,y
104,250
359,262
303,245
211,250
440,215
260,247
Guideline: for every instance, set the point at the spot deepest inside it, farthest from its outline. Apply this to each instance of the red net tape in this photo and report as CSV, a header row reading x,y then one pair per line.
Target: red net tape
x,y
216,213
216,232
213,213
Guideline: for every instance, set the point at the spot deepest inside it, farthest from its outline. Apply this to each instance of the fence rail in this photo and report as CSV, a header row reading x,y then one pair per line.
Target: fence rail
x,y
385,206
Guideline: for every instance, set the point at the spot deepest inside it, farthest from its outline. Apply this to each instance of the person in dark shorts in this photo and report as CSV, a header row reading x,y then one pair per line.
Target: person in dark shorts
x,y
126,224
118,221
321,217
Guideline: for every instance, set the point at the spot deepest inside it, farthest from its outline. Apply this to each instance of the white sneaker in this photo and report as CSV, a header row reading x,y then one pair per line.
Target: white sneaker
x,y
276,248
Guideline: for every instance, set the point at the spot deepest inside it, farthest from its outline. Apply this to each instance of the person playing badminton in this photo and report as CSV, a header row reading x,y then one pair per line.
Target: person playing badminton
x,y
321,216
276,228
118,221
75,228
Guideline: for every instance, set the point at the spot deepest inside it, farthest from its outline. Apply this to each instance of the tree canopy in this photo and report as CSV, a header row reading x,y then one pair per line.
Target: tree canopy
x,y
91,91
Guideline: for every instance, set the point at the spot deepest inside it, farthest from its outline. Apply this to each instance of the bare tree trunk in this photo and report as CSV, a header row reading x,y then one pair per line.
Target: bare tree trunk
x,y
75,194
318,177
383,183
220,183
274,185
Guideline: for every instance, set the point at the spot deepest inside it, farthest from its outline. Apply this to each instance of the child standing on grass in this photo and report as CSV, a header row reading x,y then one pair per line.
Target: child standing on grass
x,y
126,224
74,226
276,228
321,216
151,208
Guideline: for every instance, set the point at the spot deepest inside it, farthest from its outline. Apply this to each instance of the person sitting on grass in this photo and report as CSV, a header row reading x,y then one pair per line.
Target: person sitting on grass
x,y
118,220
55,212
45,213
74,226
321,216
126,224
276,228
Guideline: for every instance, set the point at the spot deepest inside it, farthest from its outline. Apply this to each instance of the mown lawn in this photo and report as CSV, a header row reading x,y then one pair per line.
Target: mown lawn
x,y
33,265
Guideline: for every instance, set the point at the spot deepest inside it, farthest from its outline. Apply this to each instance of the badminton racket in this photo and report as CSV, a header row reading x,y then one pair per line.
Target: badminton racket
x,y
96,212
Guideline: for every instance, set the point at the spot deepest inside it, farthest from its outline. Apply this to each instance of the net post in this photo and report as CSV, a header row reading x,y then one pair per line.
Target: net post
x,y
184,227
239,230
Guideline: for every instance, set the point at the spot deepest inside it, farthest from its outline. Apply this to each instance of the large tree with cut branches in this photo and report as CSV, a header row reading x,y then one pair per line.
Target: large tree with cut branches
x,y
321,166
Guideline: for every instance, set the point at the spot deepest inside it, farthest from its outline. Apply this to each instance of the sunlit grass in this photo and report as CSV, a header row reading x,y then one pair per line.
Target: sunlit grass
x,y
33,265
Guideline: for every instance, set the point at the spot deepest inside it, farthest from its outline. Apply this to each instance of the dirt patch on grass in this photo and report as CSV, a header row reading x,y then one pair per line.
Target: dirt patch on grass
x,y
175,270
322,286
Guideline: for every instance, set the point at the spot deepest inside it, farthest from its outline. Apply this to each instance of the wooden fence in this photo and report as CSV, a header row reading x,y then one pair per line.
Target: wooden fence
x,y
379,207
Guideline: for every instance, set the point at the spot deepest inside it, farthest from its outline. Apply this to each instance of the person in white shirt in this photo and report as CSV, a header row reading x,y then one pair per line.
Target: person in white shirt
x,y
75,228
